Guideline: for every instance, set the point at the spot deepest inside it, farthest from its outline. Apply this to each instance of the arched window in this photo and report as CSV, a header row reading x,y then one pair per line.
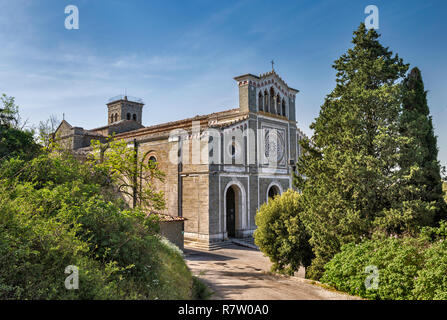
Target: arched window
x,y
128,116
261,101
111,118
210,147
152,161
266,101
278,104
134,117
272,101
273,192
283,107
116,117
233,149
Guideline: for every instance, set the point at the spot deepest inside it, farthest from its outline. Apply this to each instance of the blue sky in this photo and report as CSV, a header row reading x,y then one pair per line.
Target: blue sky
x,y
181,56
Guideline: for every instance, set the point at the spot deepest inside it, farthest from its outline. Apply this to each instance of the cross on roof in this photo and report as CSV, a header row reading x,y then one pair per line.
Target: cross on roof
x,y
273,63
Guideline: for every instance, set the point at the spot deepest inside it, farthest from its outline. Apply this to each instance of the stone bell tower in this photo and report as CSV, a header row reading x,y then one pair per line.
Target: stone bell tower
x,y
247,92
125,108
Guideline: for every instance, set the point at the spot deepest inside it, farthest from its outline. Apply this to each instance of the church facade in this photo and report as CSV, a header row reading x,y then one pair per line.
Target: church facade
x,y
221,167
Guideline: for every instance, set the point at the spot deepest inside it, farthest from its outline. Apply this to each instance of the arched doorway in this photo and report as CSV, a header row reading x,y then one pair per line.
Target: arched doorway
x,y
231,212
234,213
273,192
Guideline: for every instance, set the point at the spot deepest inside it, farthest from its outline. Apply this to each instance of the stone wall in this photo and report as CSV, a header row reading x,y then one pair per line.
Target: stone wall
x,y
173,231
160,149
195,206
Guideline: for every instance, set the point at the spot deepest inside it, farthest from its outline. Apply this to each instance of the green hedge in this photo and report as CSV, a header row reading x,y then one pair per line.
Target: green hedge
x,y
407,268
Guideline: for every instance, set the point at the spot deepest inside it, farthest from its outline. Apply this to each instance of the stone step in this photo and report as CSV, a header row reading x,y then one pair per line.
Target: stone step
x,y
245,242
190,244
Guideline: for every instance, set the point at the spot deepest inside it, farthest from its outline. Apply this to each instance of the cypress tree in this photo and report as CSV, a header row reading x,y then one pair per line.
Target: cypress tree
x,y
351,166
420,168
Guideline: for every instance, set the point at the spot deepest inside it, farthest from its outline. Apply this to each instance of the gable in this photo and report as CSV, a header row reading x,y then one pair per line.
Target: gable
x,y
64,129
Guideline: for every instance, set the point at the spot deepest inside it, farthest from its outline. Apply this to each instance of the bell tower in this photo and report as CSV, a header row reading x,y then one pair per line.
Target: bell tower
x,y
247,92
125,108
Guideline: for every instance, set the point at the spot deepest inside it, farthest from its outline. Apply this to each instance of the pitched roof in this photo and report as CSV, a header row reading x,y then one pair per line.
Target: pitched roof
x,y
63,122
114,124
185,123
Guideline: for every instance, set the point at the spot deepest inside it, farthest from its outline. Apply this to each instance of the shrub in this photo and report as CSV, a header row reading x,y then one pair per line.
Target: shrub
x,y
281,235
431,281
398,262
34,252
64,217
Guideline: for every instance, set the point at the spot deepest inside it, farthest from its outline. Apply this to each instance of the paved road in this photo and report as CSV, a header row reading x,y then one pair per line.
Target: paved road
x,y
238,273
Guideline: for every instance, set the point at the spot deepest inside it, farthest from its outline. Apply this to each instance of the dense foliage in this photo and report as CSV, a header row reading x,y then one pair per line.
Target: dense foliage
x,y
431,281
406,268
397,262
58,212
281,234
444,188
14,142
358,176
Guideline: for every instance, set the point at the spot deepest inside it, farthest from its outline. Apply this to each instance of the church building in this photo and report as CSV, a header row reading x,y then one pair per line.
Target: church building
x,y
220,167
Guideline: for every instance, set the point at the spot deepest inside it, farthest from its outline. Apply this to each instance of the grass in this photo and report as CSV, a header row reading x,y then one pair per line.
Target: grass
x,y
200,291
176,279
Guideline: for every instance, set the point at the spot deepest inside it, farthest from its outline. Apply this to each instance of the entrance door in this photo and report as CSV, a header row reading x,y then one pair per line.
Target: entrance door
x,y
231,212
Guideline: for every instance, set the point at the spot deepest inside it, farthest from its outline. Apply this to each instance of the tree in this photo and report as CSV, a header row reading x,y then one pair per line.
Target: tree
x,y
9,112
14,140
45,131
134,178
350,168
281,235
420,168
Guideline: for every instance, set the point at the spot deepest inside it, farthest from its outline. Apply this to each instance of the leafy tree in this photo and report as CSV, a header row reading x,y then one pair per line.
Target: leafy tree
x,y
14,140
132,177
350,168
45,131
16,143
9,112
281,234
